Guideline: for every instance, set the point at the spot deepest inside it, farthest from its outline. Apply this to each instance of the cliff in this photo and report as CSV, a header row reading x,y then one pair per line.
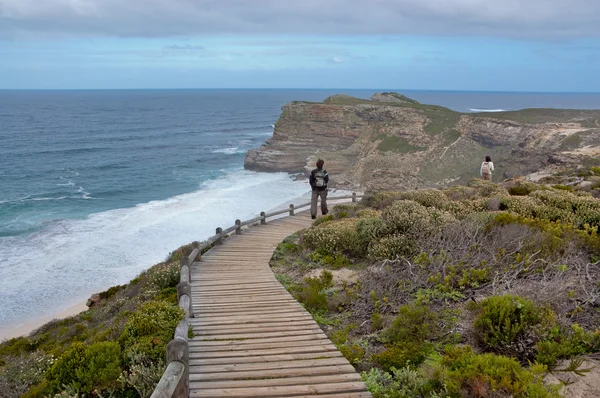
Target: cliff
x,y
392,141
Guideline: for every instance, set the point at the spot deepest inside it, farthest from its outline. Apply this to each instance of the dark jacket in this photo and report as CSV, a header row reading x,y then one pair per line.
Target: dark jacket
x,y
312,180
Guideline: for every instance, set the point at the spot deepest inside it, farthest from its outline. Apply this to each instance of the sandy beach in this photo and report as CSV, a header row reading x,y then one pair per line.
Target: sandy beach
x,y
30,326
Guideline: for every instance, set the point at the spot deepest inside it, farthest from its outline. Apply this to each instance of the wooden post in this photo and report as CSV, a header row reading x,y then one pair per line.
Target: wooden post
x,y
238,227
291,210
353,197
196,245
184,271
220,238
263,220
183,288
179,350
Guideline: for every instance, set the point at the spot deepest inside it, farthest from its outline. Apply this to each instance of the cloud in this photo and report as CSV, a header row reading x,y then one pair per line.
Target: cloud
x,y
545,19
336,60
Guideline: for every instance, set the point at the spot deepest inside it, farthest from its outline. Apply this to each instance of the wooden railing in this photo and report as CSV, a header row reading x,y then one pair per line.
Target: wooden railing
x,y
175,381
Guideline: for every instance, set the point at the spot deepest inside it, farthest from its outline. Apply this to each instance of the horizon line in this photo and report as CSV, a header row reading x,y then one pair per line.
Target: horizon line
x,y
298,89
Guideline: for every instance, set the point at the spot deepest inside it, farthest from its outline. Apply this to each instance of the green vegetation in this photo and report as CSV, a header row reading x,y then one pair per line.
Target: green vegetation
x,y
476,290
116,348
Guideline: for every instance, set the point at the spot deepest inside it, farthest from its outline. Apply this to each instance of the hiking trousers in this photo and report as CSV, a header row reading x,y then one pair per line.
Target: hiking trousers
x,y
487,176
313,202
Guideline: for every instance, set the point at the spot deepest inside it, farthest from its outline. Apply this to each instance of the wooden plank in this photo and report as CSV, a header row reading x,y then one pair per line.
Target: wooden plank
x,y
290,340
263,373
315,349
266,366
280,391
264,358
280,381
259,346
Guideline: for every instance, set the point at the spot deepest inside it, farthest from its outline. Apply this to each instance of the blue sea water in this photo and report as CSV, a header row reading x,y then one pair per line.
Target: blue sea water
x,y
96,186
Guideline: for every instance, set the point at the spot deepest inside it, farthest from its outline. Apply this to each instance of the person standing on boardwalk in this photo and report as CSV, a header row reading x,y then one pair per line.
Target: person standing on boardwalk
x,y
318,182
486,169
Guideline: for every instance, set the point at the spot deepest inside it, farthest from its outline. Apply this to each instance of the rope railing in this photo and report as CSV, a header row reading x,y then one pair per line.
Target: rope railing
x,y
175,380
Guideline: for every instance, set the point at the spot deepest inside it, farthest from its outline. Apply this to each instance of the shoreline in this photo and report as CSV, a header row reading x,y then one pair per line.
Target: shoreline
x,y
28,327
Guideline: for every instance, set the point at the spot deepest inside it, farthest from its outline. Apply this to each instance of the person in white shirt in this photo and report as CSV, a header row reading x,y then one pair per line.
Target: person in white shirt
x,y
486,169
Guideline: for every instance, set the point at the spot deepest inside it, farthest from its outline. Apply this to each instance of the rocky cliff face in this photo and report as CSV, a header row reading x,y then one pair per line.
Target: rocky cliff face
x,y
392,141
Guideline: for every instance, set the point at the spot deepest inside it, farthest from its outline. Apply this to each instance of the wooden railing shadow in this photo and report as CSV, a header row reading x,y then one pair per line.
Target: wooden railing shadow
x,y
175,380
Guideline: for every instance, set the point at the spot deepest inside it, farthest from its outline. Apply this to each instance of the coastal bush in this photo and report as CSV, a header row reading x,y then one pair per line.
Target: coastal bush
x,y
346,210
284,249
460,193
323,220
335,237
368,213
413,219
461,372
166,276
111,291
414,322
381,200
86,368
370,229
565,344
524,206
142,373
21,372
150,329
400,383
406,216
17,346
426,197
487,188
405,354
312,292
391,247
511,324
333,261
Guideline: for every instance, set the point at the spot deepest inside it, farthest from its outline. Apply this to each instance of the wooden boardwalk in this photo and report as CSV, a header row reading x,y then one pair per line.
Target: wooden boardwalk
x,y
252,339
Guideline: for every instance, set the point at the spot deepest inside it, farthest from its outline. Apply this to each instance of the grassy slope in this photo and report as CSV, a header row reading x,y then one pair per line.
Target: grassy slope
x,y
104,322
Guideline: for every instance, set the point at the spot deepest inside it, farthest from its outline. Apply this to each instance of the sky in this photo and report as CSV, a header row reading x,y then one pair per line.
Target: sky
x,y
480,45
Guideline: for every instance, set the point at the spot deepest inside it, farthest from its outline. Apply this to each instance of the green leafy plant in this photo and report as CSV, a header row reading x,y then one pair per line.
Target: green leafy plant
x,y
505,322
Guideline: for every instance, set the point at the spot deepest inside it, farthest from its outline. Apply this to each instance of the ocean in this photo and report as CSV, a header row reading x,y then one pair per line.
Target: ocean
x,y
96,186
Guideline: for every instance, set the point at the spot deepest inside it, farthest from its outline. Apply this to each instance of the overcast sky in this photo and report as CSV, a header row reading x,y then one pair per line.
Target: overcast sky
x,y
504,45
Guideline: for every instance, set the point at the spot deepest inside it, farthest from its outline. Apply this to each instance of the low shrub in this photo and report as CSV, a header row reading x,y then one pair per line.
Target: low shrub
x,y
111,291
414,322
461,372
345,210
323,220
165,277
22,372
370,229
400,383
511,324
334,237
333,261
86,368
565,344
143,374
391,247
487,188
407,353
518,191
312,292
150,329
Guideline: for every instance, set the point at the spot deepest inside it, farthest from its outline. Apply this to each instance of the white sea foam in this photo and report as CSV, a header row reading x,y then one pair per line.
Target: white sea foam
x,y
487,110
48,271
229,151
